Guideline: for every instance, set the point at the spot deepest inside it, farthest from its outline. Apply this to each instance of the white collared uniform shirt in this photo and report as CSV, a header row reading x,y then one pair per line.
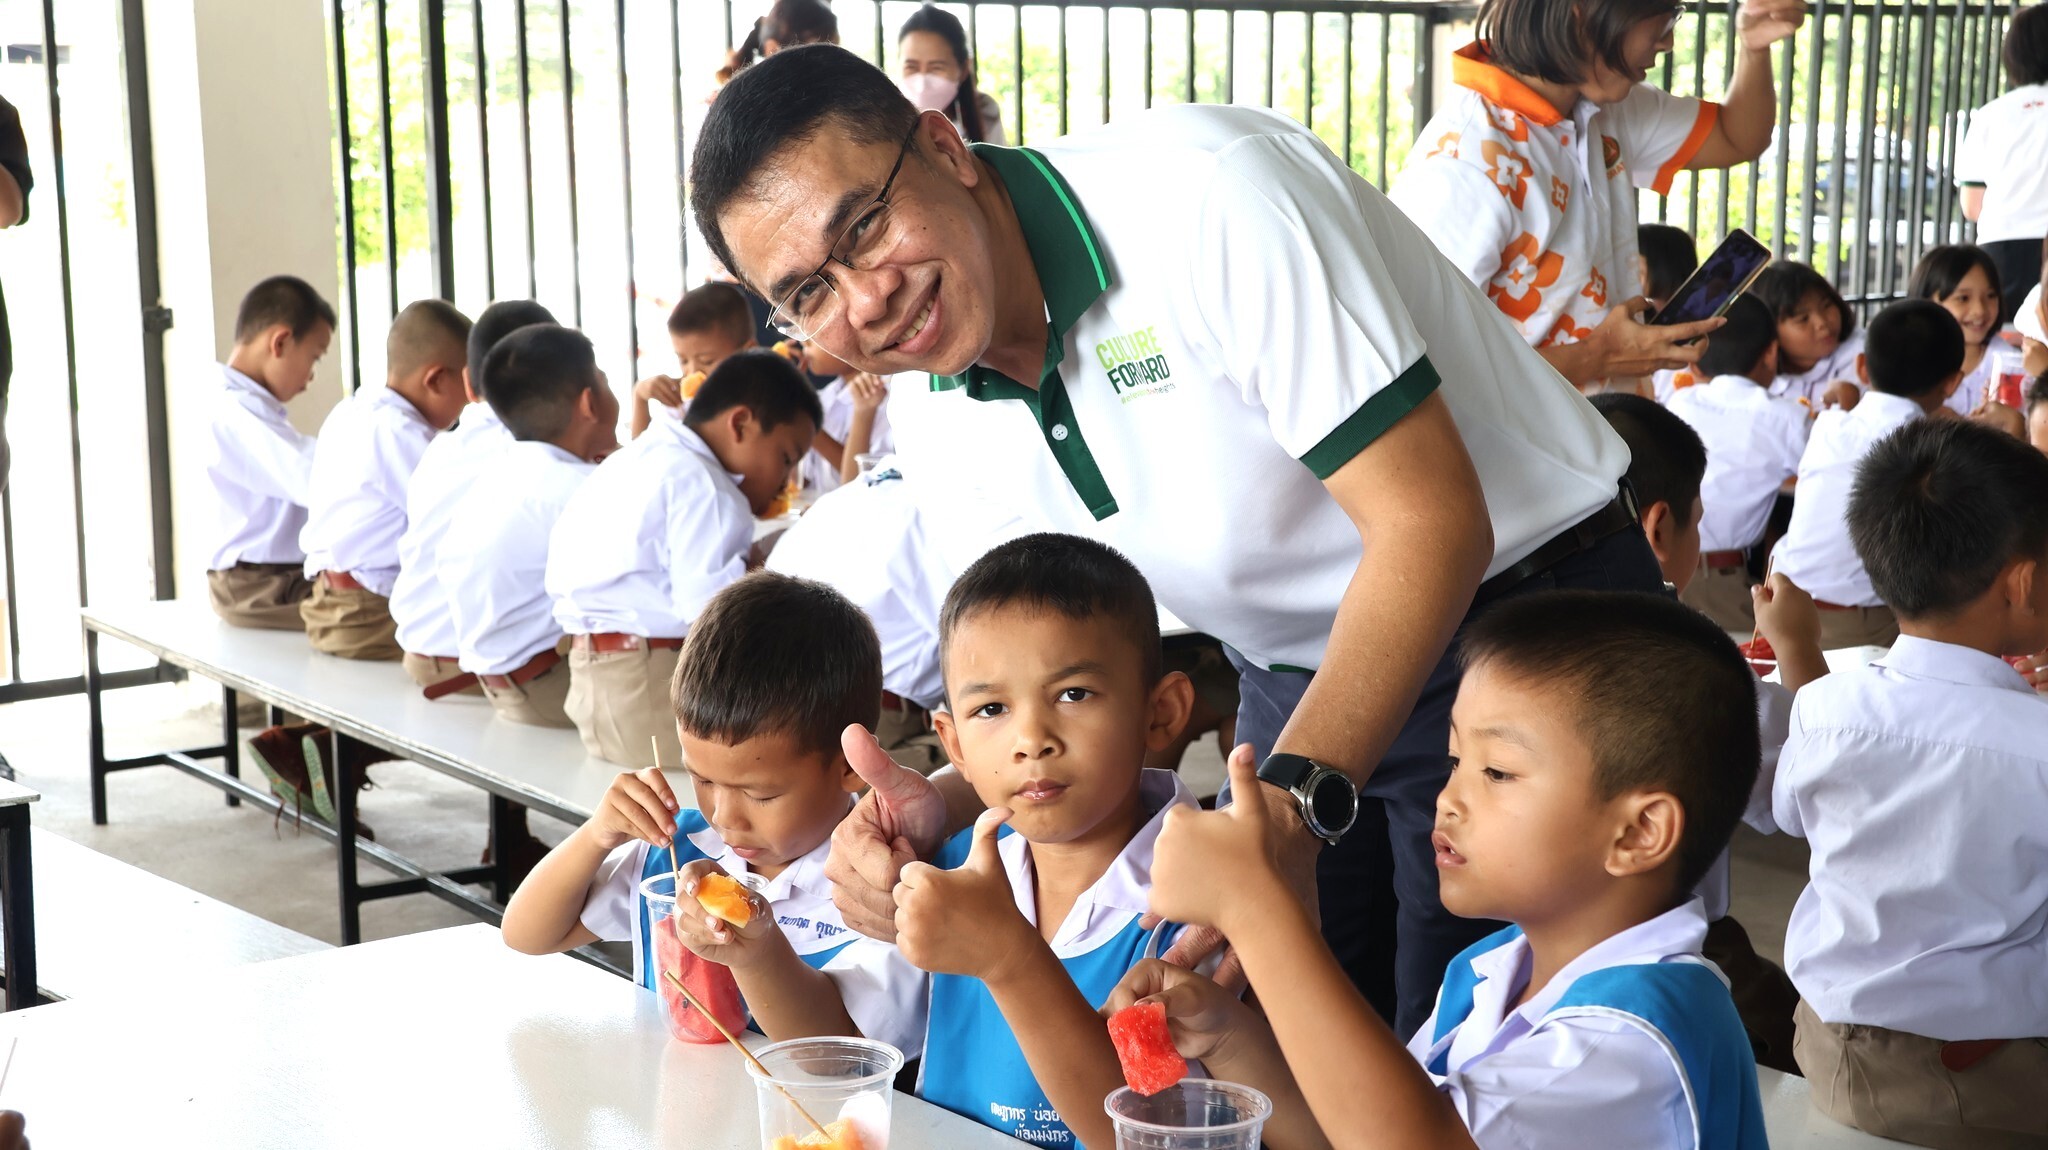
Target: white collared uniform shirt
x,y
1237,316
1816,553
1920,782
2005,150
495,556
1519,1079
660,528
1754,442
368,449
836,398
419,603
1810,385
261,469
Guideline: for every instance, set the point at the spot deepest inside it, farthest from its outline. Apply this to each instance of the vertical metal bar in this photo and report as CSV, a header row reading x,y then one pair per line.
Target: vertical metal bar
x,y
505,830
1308,70
1269,58
440,181
17,893
1063,68
1148,57
1782,200
64,280
626,196
675,97
346,828
569,166
231,738
1017,64
728,22
1816,24
1888,275
1845,26
1728,174
1425,74
1919,123
343,133
384,150
1859,236
1699,89
483,143
13,595
149,282
1190,47
1350,30
1105,63
95,726
1229,53
526,139
1385,181
881,46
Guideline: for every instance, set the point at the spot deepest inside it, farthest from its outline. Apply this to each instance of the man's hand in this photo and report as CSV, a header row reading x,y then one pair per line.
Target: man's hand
x,y
1205,1020
662,389
1762,23
638,805
712,938
1627,346
901,819
964,921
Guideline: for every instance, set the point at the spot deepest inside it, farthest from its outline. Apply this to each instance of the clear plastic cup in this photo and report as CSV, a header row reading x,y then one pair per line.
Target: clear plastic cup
x,y
867,461
711,982
1192,1114
846,1084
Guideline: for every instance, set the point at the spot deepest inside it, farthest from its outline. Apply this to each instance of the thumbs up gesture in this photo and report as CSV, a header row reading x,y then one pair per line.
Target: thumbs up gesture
x,y
1209,862
964,921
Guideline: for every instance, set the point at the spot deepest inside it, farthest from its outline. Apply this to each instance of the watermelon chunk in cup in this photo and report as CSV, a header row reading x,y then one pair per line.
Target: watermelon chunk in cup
x,y
711,982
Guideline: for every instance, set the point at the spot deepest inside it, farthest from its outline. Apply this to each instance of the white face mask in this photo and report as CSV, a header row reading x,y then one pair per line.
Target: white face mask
x,y
929,91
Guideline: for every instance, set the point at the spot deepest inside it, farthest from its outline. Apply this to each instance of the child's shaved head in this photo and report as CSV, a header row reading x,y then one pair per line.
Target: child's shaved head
x,y
427,332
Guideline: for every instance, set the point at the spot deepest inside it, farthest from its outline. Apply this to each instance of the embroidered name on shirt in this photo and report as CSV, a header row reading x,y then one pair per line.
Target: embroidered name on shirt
x,y
1135,364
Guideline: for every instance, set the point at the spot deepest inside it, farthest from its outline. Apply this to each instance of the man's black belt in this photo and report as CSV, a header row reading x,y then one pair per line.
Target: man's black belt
x,y
1618,515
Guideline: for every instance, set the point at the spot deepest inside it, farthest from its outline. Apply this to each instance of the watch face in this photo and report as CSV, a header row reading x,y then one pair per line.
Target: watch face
x,y
1334,803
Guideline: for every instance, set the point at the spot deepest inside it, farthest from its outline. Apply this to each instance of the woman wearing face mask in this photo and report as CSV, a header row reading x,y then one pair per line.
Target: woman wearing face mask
x,y
1527,178
787,24
938,75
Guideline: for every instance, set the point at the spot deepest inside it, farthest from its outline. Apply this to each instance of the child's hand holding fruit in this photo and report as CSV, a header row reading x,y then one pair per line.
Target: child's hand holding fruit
x,y
722,921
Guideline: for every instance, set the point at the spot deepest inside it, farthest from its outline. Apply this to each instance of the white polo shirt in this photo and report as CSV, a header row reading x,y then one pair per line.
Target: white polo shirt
x,y
260,468
369,446
419,604
1235,315
1537,208
1809,386
1816,553
1754,442
1921,784
660,528
2005,152
837,400
496,553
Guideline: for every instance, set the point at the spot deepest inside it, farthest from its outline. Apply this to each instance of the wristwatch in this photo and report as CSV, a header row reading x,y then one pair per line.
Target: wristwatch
x,y
1326,796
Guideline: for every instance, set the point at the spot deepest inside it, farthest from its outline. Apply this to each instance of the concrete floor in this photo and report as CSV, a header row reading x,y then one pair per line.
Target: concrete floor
x,y
177,827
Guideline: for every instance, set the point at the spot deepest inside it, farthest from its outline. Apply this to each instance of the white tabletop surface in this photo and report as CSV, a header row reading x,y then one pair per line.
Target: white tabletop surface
x,y
443,1039
13,794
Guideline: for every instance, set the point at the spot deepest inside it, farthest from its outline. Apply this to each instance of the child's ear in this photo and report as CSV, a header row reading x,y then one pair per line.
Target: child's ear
x,y
1863,368
469,387
279,342
949,735
586,404
1173,700
1769,362
1949,385
740,423
1651,829
1661,524
849,779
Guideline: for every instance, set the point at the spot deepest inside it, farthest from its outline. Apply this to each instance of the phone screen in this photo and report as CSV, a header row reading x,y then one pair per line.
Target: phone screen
x,y
1715,284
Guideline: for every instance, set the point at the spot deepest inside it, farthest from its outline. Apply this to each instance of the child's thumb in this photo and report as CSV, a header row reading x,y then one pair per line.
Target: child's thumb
x,y
981,854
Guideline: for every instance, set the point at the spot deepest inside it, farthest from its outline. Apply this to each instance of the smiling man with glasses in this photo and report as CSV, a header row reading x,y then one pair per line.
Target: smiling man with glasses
x,y
1197,336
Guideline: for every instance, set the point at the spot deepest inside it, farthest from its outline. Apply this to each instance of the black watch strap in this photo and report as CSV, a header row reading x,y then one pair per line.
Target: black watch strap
x,y
1288,772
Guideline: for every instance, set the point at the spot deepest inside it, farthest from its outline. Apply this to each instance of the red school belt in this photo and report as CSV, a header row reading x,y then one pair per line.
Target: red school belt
x,y
341,581
526,673
1722,560
610,642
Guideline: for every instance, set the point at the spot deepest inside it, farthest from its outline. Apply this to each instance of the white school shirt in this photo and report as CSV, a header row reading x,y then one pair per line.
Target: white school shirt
x,y
1519,1079
1537,208
2005,150
882,992
1754,442
1999,358
1921,784
836,398
1809,386
1816,553
496,552
260,467
660,528
1234,316
419,604
369,446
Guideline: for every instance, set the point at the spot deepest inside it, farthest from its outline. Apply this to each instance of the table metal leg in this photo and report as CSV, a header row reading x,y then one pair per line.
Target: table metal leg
x,y
18,905
231,738
345,824
502,836
96,729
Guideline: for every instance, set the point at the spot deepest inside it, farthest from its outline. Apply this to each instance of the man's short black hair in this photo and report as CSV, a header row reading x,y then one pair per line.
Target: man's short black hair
x,y
1784,286
1066,574
1913,347
498,321
1666,460
1739,344
714,307
533,376
1553,38
1657,690
1669,255
2026,46
787,98
773,654
761,381
282,300
1940,506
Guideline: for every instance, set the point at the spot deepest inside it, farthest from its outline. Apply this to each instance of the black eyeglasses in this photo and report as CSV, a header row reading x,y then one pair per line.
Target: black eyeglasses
x,y
813,304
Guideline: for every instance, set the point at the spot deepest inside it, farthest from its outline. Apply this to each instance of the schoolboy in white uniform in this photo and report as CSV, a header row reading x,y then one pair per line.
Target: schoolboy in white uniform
x,y
1754,441
775,670
1913,360
258,465
368,450
1590,790
419,605
856,421
1919,943
664,525
543,382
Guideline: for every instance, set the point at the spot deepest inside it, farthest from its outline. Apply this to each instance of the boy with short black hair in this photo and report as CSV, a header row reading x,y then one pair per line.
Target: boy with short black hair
x,y
1668,255
1665,465
1603,746
1912,360
774,671
368,449
543,382
710,322
663,526
259,465
1754,441
1919,943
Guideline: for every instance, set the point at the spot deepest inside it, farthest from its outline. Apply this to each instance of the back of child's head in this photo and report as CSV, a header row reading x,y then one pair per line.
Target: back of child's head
x,y
777,655
1657,691
761,381
1669,255
498,321
715,308
426,332
1667,461
1738,347
1942,270
1913,347
1785,286
533,377
2026,46
282,301
1066,575
1940,507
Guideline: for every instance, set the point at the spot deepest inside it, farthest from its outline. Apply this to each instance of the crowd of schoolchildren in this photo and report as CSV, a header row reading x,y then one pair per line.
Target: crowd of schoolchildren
x,y
1813,483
